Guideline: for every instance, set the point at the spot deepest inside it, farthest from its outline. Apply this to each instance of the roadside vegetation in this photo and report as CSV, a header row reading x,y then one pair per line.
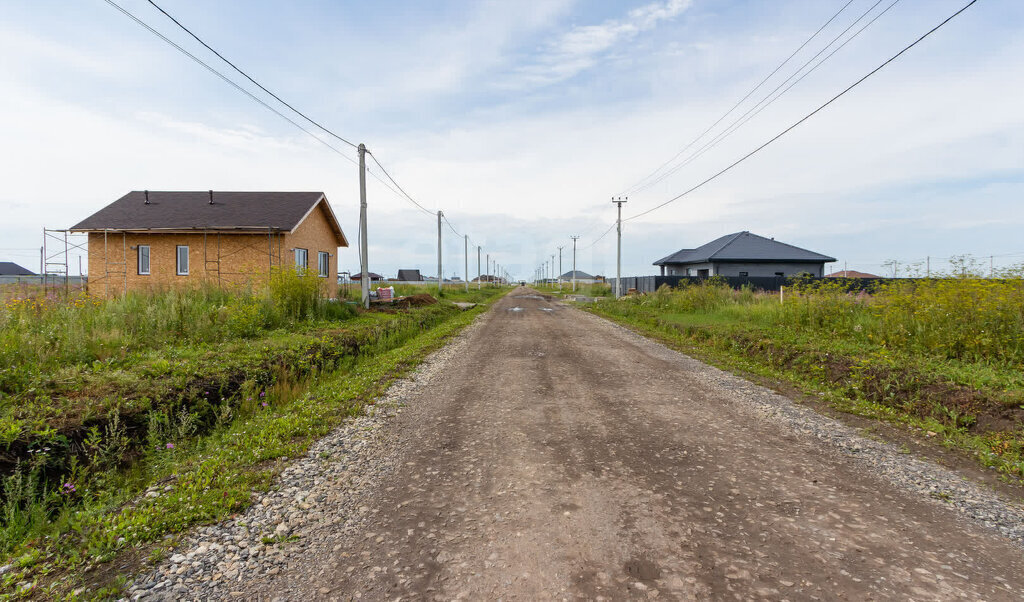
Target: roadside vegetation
x,y
123,422
945,355
599,289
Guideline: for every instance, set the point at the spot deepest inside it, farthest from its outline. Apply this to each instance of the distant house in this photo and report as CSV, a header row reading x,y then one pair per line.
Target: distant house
x,y
851,274
150,240
409,276
9,268
744,254
374,276
583,277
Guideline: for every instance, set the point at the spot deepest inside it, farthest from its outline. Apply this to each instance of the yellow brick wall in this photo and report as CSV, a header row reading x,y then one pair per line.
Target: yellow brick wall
x,y
245,259
315,234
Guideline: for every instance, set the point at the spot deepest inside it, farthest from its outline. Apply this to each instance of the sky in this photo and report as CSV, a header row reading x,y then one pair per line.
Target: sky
x,y
522,119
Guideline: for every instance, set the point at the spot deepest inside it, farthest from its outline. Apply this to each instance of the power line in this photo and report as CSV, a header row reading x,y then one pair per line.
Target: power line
x,y
247,76
253,97
761,105
403,192
806,117
598,239
637,186
228,80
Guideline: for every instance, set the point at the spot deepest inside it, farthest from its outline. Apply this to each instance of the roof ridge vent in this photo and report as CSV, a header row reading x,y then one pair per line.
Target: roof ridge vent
x,y
211,197
146,194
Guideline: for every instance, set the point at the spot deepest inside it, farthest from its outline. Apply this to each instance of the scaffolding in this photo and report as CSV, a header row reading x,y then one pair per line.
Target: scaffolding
x,y
58,245
55,273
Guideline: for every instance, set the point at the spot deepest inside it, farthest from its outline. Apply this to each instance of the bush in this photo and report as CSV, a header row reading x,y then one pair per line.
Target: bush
x,y
298,292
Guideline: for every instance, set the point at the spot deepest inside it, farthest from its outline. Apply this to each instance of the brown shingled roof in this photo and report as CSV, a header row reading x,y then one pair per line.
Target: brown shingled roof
x,y
192,210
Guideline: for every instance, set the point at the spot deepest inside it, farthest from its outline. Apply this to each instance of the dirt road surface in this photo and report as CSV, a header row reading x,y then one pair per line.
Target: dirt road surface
x,y
561,457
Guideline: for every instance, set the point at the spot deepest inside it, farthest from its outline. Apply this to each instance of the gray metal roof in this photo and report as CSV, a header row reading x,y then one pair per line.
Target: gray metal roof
x,y
744,247
579,275
9,268
192,210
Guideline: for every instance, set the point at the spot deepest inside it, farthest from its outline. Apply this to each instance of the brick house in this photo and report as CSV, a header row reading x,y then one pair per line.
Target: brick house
x,y
148,240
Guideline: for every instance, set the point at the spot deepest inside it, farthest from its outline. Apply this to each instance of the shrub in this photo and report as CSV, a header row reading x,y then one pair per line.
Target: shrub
x,y
297,292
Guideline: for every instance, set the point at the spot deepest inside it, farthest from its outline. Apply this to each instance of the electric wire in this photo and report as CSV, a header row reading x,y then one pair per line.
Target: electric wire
x,y
391,186
228,80
755,110
806,117
738,103
403,192
247,76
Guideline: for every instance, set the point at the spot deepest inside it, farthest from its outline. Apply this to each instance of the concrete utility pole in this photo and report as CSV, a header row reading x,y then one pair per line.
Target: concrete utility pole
x,y
440,274
466,253
364,269
488,264
560,267
478,277
618,253
574,239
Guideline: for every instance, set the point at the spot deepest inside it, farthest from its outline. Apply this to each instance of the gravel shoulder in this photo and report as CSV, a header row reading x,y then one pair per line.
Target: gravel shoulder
x,y
547,453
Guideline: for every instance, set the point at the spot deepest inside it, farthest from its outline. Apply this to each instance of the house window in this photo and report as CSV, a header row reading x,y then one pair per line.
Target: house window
x,y
780,274
703,273
323,264
182,260
143,260
301,258
743,274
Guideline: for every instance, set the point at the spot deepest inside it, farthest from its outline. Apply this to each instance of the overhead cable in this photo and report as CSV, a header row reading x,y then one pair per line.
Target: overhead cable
x,y
248,77
738,103
761,105
806,117
228,80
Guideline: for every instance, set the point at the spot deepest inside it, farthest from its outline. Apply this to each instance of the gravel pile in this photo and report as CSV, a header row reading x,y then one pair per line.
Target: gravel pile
x,y
317,499
943,486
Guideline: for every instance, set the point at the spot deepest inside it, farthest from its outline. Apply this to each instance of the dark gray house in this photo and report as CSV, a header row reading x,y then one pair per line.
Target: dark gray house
x,y
409,276
744,254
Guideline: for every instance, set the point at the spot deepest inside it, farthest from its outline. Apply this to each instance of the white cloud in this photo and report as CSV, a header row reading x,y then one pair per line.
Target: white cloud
x,y
580,48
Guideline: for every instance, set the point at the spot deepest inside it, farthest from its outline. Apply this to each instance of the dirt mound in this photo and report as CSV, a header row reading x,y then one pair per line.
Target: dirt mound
x,y
419,300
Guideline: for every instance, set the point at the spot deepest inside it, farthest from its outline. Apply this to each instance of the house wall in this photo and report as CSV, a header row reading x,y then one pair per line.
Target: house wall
x,y
768,269
752,269
245,259
315,234
681,270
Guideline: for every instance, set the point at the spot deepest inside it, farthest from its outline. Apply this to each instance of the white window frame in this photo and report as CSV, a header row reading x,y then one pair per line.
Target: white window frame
x,y
144,271
177,260
305,258
323,263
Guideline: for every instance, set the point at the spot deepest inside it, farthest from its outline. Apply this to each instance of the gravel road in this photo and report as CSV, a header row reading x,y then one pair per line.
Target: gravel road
x,y
549,454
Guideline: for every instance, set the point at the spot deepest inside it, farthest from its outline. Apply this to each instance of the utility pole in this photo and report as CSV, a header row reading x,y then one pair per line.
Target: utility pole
x,y
364,278
618,253
488,256
560,267
478,276
466,253
574,239
440,274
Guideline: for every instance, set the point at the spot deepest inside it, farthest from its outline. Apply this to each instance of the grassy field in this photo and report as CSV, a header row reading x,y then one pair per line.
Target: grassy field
x,y
943,355
200,389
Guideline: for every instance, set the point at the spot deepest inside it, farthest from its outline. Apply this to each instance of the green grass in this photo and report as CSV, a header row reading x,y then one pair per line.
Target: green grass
x,y
450,292
910,354
212,475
